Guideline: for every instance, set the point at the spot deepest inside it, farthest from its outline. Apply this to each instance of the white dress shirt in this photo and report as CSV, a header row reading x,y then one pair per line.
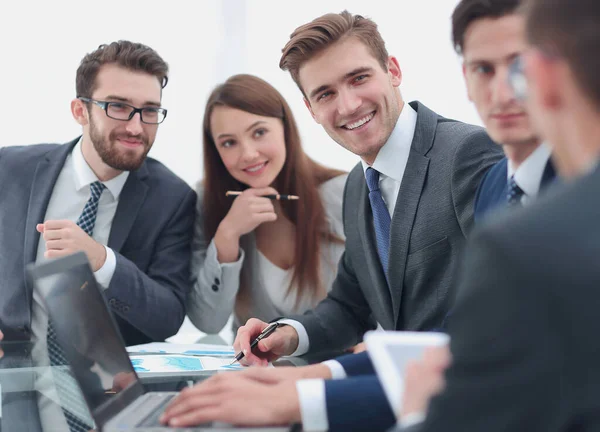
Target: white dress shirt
x,y
69,196
529,174
391,164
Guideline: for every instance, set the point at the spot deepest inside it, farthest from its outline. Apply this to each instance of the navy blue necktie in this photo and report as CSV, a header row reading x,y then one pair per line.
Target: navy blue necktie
x,y
515,193
76,414
381,218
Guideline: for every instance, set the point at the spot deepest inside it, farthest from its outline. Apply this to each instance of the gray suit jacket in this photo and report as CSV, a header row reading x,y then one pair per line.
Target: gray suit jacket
x,y
432,218
524,332
151,236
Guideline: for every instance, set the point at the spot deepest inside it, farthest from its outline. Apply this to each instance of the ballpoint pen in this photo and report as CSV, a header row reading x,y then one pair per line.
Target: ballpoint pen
x,y
266,332
271,196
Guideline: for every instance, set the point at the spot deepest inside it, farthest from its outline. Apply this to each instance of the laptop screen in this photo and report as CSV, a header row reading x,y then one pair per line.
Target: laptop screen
x,y
88,334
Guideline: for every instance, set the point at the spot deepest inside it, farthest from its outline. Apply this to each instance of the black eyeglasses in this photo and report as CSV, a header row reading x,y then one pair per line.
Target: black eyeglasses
x,y
125,112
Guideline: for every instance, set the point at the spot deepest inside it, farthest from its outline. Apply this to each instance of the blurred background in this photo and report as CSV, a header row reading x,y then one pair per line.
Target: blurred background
x,y
204,42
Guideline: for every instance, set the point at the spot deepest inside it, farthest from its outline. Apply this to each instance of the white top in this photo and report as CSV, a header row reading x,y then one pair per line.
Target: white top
x,y
391,163
69,196
529,174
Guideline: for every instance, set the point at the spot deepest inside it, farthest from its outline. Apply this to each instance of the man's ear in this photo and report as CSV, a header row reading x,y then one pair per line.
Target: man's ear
x,y
307,103
79,111
394,71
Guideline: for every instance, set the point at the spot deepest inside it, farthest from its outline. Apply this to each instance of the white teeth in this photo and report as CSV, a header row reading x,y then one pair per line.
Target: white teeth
x,y
256,168
360,122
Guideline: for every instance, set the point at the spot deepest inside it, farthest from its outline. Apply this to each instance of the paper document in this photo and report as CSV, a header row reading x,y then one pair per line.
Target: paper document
x,y
163,363
188,349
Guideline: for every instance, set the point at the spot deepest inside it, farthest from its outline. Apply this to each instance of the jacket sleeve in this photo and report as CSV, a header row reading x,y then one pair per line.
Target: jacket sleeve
x,y
212,298
357,404
153,303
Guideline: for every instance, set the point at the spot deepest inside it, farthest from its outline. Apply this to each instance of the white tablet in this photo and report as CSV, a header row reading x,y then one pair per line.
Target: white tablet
x,y
391,351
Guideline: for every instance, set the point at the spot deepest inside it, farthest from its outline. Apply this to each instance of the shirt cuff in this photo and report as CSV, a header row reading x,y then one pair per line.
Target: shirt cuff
x,y
336,368
412,419
313,408
303,343
105,273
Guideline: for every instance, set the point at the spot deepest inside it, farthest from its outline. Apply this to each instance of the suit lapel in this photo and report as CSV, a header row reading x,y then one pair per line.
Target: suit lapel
x,y
369,246
549,174
44,178
407,201
130,201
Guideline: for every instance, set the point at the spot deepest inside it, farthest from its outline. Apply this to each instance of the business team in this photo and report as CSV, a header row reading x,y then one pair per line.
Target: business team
x,y
408,208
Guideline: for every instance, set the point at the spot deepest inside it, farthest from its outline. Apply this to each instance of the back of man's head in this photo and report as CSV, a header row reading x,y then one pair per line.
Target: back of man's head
x,y
129,55
314,37
569,29
468,11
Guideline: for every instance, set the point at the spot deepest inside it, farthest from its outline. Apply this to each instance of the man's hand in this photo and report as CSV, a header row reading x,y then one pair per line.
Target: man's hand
x,y
64,237
232,397
282,341
424,379
1,337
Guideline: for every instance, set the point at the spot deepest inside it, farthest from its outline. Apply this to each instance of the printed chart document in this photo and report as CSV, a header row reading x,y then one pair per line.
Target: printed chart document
x,y
178,363
164,359
189,349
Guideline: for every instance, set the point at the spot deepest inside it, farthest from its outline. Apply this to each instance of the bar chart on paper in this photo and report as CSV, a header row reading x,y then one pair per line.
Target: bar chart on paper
x,y
167,358
174,363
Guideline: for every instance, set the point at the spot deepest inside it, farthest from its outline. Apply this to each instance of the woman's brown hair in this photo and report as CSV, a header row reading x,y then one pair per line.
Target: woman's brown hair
x,y
300,176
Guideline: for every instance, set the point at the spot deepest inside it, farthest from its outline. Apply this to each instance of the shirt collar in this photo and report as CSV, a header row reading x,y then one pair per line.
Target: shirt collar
x,y
84,176
529,174
397,146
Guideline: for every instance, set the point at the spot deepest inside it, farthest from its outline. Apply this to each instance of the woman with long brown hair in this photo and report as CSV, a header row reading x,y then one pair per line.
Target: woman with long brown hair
x,y
254,256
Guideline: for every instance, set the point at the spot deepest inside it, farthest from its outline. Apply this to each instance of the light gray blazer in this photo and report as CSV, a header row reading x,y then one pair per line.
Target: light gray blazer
x,y
430,223
212,299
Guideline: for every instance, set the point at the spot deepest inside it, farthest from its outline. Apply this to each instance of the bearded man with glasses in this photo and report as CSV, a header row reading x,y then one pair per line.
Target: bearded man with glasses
x,y
99,194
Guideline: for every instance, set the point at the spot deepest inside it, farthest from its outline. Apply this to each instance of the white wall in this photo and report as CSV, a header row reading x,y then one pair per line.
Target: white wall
x,y
204,42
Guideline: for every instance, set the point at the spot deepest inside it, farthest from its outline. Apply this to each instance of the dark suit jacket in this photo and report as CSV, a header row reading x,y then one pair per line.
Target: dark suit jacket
x,y
151,236
432,218
493,189
524,338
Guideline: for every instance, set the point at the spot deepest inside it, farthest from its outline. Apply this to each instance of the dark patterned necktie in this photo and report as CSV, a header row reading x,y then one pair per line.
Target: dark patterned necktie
x,y
515,193
75,411
381,218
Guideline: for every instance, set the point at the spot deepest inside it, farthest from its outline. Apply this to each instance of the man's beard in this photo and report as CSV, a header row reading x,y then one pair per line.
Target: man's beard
x,y
106,149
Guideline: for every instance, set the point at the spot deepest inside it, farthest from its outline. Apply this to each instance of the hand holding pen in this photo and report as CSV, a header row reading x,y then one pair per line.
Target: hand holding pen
x,y
277,197
281,342
265,333
248,210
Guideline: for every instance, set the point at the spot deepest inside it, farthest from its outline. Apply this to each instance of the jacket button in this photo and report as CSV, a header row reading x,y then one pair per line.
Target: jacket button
x,y
125,309
217,281
215,288
112,302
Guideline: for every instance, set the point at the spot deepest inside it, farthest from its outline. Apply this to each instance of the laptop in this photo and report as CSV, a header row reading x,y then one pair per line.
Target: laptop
x,y
94,348
390,353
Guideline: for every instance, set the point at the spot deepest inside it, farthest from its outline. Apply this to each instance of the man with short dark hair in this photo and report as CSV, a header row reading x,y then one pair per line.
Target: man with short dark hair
x,y
490,36
100,194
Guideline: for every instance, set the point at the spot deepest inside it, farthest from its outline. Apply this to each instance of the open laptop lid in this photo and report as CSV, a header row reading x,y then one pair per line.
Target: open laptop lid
x,y
88,334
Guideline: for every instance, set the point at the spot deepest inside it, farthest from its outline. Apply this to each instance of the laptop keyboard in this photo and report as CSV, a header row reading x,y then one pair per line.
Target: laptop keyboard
x,y
152,418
